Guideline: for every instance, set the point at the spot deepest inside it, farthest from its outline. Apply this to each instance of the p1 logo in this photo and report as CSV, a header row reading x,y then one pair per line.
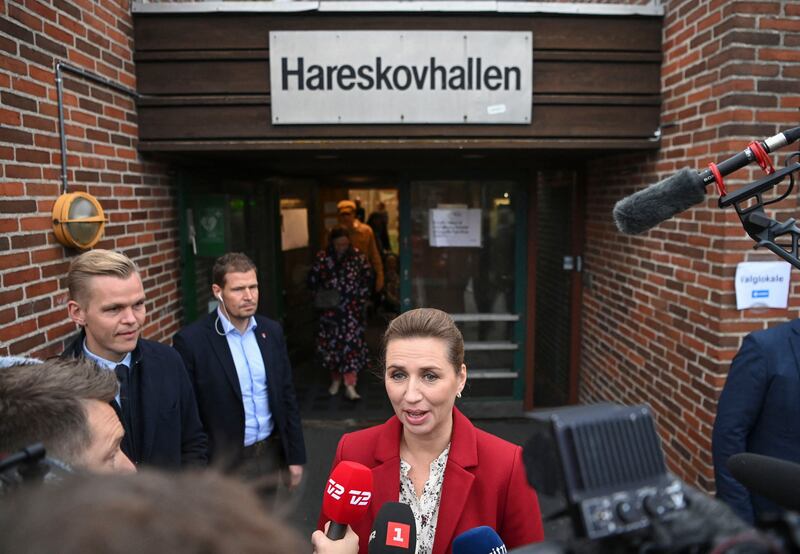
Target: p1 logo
x,y
397,534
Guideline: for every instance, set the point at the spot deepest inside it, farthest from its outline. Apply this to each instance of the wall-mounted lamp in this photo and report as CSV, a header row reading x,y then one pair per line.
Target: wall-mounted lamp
x,y
78,220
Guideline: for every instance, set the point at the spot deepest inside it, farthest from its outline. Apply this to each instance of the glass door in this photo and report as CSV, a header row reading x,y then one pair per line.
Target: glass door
x,y
463,259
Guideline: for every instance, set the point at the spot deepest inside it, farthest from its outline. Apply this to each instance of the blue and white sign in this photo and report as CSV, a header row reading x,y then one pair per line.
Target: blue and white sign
x,y
762,285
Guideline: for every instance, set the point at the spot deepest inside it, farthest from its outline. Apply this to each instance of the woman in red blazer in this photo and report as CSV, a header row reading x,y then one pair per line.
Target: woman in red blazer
x,y
454,476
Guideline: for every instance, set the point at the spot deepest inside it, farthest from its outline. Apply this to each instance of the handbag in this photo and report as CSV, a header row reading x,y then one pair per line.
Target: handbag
x,y
326,299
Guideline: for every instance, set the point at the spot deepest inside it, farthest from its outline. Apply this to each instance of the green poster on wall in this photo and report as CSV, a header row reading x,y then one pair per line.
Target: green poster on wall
x,y
210,225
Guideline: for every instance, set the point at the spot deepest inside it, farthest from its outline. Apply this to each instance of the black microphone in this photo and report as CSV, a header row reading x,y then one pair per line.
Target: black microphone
x,y
394,530
775,479
647,208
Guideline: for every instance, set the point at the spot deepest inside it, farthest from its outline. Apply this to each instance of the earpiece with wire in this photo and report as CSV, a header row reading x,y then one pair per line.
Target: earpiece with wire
x,y
216,322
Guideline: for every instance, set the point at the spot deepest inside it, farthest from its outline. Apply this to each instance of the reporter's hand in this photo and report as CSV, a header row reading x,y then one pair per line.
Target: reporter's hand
x,y
295,476
323,545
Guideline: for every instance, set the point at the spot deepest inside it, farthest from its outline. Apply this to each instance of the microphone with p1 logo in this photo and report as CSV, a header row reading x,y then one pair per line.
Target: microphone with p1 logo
x,y
479,540
394,530
347,495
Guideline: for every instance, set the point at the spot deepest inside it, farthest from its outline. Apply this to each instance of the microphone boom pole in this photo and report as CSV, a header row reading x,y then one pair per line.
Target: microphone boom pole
x,y
763,229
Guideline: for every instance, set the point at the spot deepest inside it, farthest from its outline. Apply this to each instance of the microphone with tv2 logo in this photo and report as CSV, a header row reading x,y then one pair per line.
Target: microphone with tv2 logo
x,y
347,495
394,530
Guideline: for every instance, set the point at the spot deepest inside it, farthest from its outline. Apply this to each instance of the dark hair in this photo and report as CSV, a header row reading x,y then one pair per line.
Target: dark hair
x,y
44,403
182,513
337,233
426,323
232,262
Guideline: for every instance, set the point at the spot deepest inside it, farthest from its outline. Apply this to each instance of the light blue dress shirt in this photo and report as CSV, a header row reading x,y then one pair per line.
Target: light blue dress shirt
x,y
108,364
252,375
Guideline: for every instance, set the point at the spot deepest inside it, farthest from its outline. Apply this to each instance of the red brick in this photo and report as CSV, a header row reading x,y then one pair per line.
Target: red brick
x,y
7,315
10,117
19,329
36,223
13,65
27,344
29,87
12,278
64,330
12,189
41,288
9,225
51,317
47,255
780,24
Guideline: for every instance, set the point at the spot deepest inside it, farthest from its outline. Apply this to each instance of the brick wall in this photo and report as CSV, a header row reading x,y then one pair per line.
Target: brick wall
x,y
660,323
102,160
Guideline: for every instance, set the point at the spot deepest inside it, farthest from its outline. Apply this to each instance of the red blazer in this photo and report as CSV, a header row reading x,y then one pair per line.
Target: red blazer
x,y
484,483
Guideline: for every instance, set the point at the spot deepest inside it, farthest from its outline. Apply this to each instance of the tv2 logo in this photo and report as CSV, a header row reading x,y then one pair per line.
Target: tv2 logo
x,y
357,498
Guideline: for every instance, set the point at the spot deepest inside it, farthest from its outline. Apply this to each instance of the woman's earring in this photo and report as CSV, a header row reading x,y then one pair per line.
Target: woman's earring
x,y
458,394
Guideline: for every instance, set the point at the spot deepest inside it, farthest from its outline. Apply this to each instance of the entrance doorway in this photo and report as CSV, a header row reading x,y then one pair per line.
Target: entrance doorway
x,y
378,207
312,205
559,234
467,258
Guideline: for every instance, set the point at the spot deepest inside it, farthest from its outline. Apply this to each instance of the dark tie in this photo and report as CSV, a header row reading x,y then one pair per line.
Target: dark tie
x,y
123,375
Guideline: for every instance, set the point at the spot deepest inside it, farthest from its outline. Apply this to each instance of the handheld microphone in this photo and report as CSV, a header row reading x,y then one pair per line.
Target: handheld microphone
x,y
775,479
657,203
394,530
347,495
479,540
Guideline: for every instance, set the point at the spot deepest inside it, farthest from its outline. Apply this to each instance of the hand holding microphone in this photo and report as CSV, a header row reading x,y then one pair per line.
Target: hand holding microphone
x,y
323,545
347,496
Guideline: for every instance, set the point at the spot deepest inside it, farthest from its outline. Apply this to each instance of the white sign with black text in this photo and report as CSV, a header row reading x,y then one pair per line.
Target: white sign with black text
x,y
383,77
762,285
455,227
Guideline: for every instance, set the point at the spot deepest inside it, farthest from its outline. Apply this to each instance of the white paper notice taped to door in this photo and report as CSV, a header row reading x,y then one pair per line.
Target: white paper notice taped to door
x,y
455,227
294,228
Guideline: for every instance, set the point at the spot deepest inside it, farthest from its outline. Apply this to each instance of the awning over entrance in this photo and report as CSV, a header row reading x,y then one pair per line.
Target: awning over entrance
x,y
204,80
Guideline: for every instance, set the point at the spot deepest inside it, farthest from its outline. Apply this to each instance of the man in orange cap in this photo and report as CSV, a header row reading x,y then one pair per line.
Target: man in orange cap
x,y
362,237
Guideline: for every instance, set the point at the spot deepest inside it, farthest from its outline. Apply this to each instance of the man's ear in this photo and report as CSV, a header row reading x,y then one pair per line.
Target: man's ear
x,y
76,313
216,290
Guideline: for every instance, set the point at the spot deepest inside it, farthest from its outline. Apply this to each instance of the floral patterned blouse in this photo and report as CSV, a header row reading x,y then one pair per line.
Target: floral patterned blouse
x,y
425,508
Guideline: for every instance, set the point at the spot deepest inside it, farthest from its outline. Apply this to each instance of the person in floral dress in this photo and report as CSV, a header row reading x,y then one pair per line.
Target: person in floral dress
x,y
341,345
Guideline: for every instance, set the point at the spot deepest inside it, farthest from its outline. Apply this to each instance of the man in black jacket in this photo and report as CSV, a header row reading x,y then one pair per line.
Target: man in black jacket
x,y
240,370
155,403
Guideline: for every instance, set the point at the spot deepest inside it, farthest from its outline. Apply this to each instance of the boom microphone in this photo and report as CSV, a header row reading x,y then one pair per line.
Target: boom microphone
x,y
347,495
394,530
647,208
775,479
479,540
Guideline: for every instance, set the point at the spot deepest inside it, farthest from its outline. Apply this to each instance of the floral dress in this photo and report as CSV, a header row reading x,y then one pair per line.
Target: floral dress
x,y
340,342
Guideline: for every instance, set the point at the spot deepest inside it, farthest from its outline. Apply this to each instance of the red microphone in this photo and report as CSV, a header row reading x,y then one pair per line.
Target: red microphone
x,y
347,495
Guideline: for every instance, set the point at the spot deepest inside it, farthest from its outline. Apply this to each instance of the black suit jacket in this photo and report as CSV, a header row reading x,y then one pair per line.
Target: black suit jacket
x,y
219,395
170,434
759,412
